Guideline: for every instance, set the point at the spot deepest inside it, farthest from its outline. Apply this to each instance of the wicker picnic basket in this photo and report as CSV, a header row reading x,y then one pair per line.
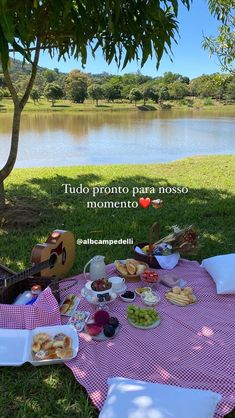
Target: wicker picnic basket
x,y
182,240
149,258
9,294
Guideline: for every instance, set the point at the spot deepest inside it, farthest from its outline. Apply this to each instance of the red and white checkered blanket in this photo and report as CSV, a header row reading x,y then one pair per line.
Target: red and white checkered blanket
x,y
45,311
193,347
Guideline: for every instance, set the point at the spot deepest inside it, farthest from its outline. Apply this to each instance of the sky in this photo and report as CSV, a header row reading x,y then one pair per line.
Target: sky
x,y
188,56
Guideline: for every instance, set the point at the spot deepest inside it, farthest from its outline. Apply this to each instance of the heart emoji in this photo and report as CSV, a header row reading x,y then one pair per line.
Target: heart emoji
x,y
144,202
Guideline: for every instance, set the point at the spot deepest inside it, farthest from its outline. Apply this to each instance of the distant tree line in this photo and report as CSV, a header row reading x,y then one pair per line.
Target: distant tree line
x,y
77,86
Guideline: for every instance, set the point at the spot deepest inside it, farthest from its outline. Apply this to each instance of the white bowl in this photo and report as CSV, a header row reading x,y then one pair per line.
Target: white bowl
x,y
102,292
148,303
146,287
128,300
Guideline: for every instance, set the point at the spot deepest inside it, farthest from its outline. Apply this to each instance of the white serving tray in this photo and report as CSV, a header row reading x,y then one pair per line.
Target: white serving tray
x,y
15,345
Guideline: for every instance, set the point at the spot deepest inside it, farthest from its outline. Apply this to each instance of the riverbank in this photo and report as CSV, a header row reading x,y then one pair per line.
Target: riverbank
x,y
65,106
209,204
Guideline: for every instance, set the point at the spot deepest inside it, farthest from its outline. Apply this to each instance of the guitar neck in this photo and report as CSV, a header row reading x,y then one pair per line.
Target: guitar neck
x,y
8,281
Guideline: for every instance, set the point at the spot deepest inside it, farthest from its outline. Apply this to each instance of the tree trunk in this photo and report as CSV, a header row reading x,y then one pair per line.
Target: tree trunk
x,y
18,107
6,170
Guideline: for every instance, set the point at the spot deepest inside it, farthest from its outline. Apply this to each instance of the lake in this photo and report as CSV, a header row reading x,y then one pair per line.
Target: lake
x,y
58,139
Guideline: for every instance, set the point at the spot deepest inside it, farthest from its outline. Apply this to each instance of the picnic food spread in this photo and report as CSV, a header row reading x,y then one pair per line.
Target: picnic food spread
x,y
103,327
46,347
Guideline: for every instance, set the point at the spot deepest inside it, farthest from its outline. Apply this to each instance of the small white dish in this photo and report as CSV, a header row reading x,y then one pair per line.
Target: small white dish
x,y
127,300
142,287
149,303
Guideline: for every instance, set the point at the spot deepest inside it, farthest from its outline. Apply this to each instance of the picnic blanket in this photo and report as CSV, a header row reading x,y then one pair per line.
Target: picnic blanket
x,y
45,311
193,347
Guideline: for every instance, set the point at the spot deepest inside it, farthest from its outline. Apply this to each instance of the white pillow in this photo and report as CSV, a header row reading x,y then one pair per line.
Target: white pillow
x,y
222,270
136,399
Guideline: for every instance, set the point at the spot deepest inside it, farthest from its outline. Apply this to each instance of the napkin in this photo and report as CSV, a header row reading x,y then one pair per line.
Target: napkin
x,y
167,262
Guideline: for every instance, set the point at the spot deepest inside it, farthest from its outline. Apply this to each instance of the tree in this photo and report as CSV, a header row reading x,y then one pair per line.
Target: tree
x,y
149,93
209,85
178,90
170,77
113,88
50,76
230,90
35,95
223,46
135,95
69,28
53,92
76,86
96,92
163,93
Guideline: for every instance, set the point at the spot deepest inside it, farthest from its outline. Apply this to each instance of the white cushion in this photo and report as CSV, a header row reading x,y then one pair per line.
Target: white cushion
x,y
136,399
222,270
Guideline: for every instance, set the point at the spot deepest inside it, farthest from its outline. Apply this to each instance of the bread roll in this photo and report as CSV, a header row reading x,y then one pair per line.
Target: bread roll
x,y
131,268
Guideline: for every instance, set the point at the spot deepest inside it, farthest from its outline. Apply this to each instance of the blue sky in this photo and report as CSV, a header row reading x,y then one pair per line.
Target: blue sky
x,y
189,57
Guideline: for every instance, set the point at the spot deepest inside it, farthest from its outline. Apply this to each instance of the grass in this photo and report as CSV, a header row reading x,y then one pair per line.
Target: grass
x,y
52,391
65,106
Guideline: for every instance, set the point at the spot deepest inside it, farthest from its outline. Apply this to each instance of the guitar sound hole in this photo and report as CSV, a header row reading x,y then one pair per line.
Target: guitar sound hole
x,y
53,259
64,256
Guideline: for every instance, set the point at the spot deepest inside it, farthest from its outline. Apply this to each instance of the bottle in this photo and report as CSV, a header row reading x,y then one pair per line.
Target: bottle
x,y
23,298
36,290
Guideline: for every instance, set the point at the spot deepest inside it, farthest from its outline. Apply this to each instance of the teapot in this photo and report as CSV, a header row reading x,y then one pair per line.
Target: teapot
x,y
97,268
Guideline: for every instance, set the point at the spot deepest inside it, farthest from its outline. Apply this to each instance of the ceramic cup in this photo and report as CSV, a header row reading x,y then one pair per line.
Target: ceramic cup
x,y
117,283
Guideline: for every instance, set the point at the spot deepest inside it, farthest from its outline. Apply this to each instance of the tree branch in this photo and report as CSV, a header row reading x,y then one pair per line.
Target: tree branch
x,y
25,97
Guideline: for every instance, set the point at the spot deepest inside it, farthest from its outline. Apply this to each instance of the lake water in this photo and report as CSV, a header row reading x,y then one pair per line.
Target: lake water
x,y
117,137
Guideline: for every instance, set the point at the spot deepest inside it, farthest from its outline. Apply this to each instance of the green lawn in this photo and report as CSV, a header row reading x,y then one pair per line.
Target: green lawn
x,y
65,106
52,391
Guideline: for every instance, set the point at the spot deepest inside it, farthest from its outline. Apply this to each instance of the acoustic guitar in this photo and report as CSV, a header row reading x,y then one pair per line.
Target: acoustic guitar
x,y
60,244
54,258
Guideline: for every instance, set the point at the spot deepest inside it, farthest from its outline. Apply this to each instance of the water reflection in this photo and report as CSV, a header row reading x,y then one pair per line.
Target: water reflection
x,y
116,137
